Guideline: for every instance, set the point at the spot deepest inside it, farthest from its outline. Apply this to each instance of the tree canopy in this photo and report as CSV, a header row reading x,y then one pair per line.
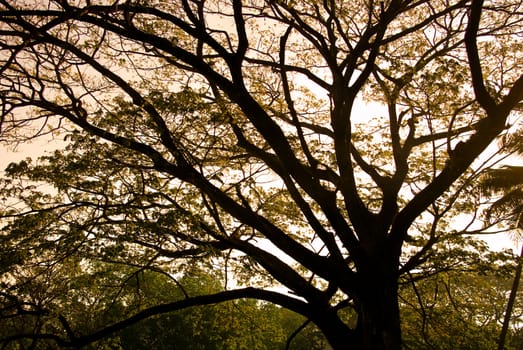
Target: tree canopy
x,y
239,135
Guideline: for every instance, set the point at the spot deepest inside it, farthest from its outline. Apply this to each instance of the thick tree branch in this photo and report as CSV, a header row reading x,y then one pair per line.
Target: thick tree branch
x,y
81,341
482,96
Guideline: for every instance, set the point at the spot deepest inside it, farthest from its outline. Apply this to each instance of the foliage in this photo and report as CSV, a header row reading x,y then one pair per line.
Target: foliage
x,y
508,182
229,135
232,325
454,311
243,324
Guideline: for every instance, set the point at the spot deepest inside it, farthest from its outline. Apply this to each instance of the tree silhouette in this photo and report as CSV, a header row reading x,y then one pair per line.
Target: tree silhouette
x,y
229,133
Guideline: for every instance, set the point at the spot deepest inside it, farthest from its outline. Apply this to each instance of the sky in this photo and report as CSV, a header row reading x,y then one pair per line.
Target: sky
x,y
33,149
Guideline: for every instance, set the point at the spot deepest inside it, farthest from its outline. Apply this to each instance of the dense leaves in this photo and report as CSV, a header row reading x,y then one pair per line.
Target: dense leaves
x,y
454,311
234,136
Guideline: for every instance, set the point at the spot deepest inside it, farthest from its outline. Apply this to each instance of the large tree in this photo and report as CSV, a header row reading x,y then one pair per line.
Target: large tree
x,y
233,133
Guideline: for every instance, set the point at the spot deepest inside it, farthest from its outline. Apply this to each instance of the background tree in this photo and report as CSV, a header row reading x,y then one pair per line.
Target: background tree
x,y
508,182
229,132
460,307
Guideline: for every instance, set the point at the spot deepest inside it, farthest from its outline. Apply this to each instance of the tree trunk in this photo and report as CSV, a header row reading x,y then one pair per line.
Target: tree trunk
x,y
378,326
379,319
510,303
337,333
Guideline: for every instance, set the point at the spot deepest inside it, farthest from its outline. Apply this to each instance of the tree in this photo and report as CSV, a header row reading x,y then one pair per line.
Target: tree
x,y
460,308
231,325
230,132
242,324
507,181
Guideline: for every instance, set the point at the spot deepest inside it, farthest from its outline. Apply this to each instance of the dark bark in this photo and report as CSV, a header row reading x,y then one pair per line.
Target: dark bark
x,y
379,327
339,336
